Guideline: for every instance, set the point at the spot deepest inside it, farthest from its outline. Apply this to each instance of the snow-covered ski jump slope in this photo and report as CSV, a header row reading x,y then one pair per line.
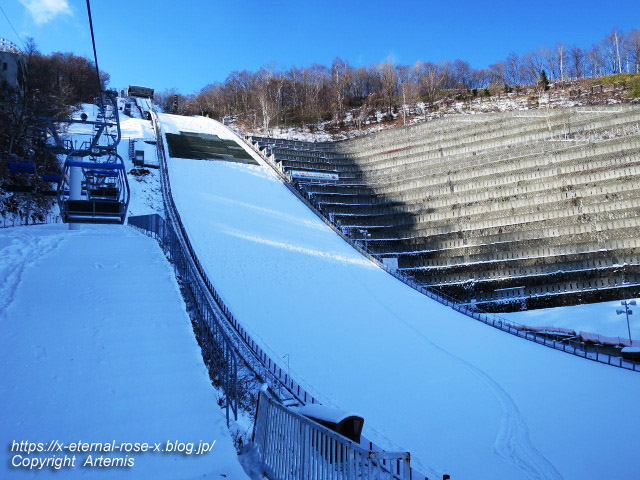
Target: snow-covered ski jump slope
x,y
463,398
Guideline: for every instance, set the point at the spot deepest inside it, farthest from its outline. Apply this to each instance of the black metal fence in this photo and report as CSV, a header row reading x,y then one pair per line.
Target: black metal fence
x,y
253,356
20,220
215,343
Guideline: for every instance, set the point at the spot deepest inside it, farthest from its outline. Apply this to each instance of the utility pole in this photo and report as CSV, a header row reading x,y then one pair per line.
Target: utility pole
x,y
288,369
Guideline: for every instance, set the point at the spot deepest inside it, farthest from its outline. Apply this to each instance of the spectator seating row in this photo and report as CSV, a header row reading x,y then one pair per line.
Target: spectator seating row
x,y
507,210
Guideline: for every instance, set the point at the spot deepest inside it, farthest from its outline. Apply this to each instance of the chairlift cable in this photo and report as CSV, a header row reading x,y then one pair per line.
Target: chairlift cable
x,y
95,54
12,28
93,190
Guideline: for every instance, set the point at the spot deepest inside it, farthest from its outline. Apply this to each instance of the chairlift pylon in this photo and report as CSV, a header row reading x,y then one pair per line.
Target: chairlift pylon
x,y
106,130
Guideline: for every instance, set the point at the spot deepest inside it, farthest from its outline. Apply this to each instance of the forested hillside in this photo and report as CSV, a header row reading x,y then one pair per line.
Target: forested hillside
x,y
342,95
55,85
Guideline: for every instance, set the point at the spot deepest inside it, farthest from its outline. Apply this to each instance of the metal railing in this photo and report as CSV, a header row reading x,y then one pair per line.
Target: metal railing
x,y
293,447
251,353
215,343
22,220
575,347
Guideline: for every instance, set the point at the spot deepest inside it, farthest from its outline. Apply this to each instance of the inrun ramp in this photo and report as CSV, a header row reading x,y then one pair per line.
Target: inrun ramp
x,y
463,398
96,346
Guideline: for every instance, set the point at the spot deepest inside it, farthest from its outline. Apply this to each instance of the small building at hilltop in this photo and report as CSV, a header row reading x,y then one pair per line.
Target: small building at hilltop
x,y
13,69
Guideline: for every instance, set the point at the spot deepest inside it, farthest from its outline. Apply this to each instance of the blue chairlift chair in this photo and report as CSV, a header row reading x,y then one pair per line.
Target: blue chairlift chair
x,y
105,193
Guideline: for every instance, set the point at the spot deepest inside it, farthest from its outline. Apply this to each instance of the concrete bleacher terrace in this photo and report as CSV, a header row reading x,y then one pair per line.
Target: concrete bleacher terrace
x,y
513,210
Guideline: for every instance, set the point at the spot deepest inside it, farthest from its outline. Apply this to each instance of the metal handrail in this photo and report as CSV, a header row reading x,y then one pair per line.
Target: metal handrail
x,y
293,447
278,377
23,221
216,342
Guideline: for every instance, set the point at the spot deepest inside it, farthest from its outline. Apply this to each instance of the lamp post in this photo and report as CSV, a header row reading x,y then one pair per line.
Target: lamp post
x,y
288,369
619,311
365,236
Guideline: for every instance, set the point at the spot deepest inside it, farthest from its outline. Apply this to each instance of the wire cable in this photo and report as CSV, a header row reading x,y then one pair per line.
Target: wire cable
x,y
14,30
95,54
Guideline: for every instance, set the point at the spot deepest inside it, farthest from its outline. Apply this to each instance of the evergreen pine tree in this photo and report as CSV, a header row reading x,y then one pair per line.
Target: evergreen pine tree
x,y
544,81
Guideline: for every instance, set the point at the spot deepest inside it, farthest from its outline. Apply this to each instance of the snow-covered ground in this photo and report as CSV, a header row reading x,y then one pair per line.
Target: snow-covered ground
x,y
96,346
527,99
146,193
464,398
600,318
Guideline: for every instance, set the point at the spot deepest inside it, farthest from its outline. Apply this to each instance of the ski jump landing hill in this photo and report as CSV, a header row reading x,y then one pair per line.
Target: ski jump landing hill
x,y
463,398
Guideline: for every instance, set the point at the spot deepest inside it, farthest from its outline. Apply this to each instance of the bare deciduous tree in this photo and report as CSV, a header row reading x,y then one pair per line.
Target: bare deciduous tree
x,y
632,49
311,94
576,62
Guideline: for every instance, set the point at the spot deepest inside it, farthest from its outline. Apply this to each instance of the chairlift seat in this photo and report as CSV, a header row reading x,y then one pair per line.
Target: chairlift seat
x,y
104,197
88,206
110,193
92,211
21,167
18,188
103,173
48,177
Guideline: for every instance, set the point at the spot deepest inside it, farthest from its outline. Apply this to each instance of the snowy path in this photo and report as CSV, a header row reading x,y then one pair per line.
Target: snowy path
x,y
96,347
463,398
146,194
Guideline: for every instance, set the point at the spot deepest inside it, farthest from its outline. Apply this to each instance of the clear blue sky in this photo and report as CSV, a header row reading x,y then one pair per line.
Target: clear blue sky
x,y
190,43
